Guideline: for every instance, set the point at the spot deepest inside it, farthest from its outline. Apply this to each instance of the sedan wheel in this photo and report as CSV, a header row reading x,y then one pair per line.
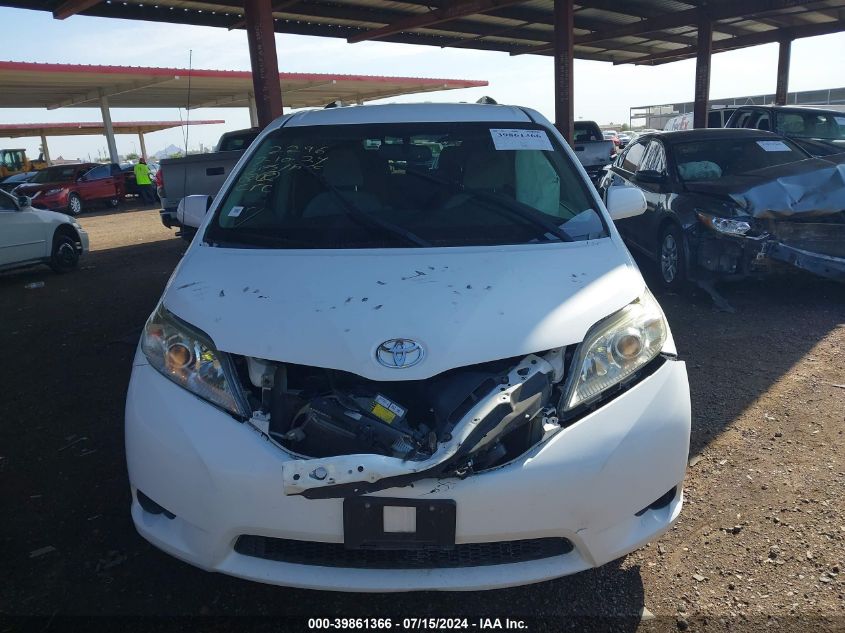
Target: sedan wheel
x,y
74,204
673,273
65,256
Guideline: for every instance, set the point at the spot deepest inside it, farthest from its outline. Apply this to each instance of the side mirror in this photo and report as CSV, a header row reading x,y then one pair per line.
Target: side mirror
x,y
651,177
24,201
192,209
625,202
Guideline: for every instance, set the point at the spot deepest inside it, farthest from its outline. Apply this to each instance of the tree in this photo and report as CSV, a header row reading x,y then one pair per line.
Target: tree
x,y
131,156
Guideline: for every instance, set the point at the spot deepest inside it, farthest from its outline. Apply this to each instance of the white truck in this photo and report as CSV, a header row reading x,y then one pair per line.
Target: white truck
x,y
591,148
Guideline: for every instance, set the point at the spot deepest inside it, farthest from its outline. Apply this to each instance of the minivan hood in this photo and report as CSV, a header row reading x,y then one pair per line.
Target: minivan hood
x,y
463,305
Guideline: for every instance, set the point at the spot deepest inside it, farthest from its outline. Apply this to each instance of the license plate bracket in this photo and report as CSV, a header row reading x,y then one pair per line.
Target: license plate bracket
x,y
364,524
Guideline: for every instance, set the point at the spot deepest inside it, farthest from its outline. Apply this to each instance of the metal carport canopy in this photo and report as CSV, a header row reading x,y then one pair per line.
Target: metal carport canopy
x,y
619,31
34,85
107,128
18,130
608,30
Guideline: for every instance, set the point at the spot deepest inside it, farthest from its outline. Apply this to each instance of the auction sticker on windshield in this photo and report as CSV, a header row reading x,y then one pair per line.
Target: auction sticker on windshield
x,y
774,146
504,139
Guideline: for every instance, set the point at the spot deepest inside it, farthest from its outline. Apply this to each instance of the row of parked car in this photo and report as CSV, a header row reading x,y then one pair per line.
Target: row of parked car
x,y
729,203
74,187
38,211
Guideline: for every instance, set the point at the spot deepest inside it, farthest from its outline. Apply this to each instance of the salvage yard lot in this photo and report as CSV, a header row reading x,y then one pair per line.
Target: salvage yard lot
x,y
762,532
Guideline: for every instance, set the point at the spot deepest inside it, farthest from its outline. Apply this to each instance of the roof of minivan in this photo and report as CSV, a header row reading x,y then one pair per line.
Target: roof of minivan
x,y
411,112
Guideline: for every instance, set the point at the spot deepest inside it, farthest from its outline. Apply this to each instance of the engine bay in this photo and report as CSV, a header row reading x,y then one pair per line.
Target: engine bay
x,y
463,420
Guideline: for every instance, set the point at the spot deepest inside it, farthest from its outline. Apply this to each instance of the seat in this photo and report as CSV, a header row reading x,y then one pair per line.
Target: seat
x,y
489,170
343,171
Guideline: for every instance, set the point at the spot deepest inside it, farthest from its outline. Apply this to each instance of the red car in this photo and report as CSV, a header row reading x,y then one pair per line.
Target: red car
x,y
71,188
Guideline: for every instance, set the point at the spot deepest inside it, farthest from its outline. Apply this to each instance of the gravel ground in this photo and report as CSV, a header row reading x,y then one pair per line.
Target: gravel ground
x,y
760,543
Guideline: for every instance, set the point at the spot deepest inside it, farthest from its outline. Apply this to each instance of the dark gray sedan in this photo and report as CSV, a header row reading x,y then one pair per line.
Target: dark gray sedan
x,y
725,203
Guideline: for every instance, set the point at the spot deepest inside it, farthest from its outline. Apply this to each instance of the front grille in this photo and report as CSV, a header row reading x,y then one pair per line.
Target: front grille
x,y
464,555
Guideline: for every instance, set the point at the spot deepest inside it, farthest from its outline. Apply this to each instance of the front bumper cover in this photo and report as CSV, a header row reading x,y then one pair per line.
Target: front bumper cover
x,y
587,484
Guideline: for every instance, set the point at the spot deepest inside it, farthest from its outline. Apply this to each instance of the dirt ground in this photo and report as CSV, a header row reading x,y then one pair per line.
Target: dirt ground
x,y
760,542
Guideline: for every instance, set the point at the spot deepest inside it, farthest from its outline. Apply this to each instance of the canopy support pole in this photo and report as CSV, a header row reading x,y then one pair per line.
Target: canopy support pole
x,y
253,112
564,53
703,58
262,55
45,150
784,52
143,145
109,130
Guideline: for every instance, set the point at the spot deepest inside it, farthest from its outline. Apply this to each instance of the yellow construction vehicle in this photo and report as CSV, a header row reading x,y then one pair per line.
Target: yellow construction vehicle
x,y
15,161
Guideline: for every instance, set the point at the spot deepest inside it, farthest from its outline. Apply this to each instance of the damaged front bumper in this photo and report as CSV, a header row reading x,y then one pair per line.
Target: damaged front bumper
x,y
743,257
223,484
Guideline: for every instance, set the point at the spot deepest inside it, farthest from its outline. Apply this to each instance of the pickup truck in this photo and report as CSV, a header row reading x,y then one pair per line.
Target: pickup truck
x,y
819,132
592,150
199,173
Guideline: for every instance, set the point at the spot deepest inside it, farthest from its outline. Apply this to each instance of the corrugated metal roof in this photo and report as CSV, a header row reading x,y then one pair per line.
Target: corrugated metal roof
x,y
29,85
612,30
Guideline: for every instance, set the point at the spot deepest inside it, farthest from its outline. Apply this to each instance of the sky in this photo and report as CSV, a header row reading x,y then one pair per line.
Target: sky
x,y
603,92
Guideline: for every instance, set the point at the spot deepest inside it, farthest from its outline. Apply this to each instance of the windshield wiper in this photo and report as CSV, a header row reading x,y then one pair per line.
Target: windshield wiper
x,y
525,211
366,218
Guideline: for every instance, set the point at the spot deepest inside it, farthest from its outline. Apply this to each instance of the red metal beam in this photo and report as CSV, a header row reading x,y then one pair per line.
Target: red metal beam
x,y
564,55
72,7
452,11
702,73
262,54
781,91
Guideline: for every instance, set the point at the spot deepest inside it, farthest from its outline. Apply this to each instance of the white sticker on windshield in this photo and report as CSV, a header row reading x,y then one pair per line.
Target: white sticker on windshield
x,y
521,139
235,212
774,146
840,120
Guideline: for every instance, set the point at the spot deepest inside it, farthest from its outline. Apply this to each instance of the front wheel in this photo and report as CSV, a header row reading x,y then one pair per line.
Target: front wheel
x,y
74,204
64,257
672,262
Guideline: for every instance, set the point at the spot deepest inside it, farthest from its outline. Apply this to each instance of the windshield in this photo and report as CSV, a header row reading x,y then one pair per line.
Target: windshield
x,y
819,125
717,158
408,184
65,173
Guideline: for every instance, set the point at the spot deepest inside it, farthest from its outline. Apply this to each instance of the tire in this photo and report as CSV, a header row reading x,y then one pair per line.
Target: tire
x,y
64,256
113,203
74,204
671,261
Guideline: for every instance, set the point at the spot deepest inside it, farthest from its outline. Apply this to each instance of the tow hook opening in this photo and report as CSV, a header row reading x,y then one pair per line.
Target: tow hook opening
x,y
661,502
151,507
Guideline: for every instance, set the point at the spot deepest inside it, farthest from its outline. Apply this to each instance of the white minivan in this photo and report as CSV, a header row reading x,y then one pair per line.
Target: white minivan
x,y
406,350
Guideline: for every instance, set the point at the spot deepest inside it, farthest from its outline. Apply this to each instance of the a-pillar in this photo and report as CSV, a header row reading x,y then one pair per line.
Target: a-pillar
x,y
702,72
782,90
143,145
262,55
564,54
109,130
45,150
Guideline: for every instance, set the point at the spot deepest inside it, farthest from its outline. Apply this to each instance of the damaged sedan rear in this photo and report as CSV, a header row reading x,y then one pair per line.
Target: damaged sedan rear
x,y
407,350
727,204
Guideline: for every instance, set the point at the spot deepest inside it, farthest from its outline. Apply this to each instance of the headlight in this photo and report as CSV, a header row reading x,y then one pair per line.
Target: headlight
x,y
53,192
188,357
726,226
615,348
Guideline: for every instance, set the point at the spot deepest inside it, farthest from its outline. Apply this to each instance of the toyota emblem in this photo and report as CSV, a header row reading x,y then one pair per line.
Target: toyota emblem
x,y
399,353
